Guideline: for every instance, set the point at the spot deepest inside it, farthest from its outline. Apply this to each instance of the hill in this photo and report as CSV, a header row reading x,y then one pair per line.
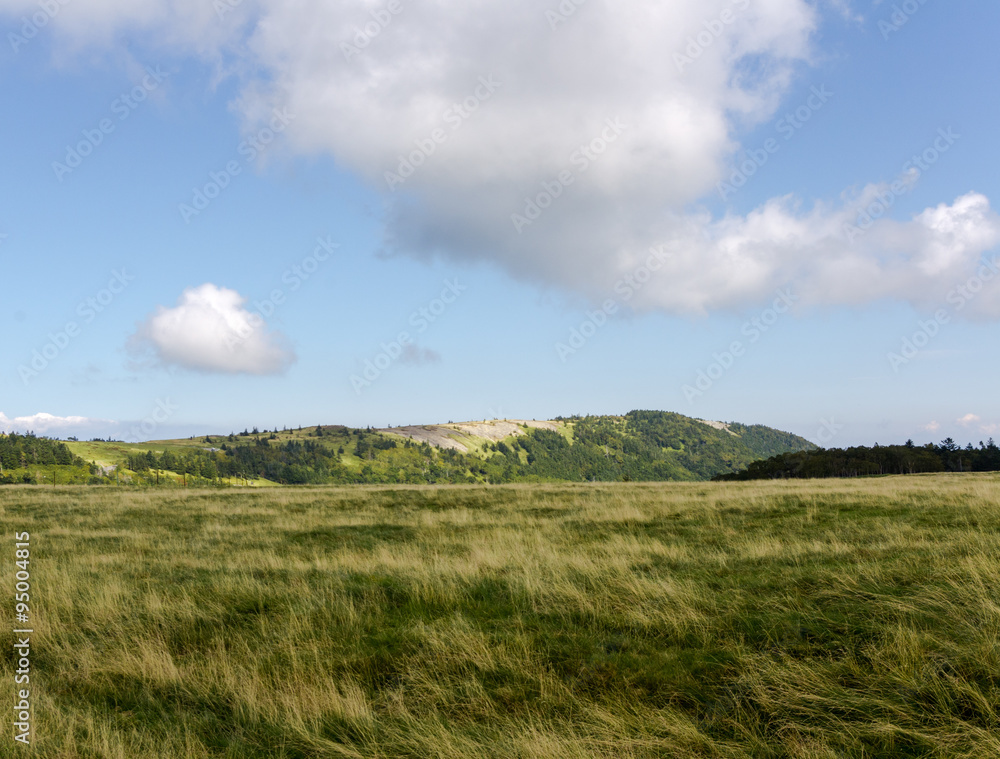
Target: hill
x,y
639,446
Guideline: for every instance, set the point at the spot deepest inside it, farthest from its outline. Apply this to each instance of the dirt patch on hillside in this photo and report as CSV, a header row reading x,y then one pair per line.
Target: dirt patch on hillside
x,y
458,437
718,426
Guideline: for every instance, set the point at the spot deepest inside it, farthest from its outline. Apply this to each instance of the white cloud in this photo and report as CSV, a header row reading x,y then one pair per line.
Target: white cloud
x,y
973,420
742,259
210,331
558,87
184,24
932,427
46,424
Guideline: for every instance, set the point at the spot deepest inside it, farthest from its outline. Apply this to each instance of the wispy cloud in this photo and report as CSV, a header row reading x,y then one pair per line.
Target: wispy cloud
x,y
417,356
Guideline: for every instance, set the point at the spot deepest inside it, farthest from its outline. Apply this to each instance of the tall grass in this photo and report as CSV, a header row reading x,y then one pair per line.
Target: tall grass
x,y
805,619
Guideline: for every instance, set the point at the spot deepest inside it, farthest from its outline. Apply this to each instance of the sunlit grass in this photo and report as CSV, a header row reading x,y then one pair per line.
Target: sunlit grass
x,y
805,619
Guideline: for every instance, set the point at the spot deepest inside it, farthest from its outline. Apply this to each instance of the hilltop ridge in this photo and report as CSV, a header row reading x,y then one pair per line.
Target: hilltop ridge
x,y
649,446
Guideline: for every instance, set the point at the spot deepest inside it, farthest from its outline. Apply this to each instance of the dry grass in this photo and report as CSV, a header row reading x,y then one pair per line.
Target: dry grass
x,y
805,619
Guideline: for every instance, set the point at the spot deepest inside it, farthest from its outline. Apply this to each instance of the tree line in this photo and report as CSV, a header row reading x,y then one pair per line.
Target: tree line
x,y
19,451
22,452
862,461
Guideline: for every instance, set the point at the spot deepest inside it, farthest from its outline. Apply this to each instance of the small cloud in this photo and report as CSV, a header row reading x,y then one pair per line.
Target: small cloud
x,y
209,330
932,427
46,424
415,356
968,420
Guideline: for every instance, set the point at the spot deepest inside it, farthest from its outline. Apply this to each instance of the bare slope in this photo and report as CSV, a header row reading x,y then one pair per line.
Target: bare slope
x,y
718,426
469,436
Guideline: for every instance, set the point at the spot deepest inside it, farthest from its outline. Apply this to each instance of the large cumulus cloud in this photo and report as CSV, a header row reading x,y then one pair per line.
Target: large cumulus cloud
x,y
372,82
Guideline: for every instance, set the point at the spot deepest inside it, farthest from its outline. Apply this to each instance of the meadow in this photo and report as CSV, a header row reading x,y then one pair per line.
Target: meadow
x,y
803,619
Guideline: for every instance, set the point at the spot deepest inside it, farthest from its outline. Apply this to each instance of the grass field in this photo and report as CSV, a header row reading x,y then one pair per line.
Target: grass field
x,y
805,619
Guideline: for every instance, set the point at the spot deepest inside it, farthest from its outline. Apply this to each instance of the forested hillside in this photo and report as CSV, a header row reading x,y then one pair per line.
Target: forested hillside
x,y
639,446
650,446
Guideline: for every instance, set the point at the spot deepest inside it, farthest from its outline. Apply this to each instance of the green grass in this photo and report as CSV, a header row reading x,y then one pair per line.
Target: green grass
x,y
566,430
805,619
106,453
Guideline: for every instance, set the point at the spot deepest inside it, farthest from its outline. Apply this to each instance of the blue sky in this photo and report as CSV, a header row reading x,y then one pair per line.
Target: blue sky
x,y
741,140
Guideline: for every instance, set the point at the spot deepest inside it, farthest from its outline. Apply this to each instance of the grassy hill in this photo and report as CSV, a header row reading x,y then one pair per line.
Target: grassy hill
x,y
638,446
